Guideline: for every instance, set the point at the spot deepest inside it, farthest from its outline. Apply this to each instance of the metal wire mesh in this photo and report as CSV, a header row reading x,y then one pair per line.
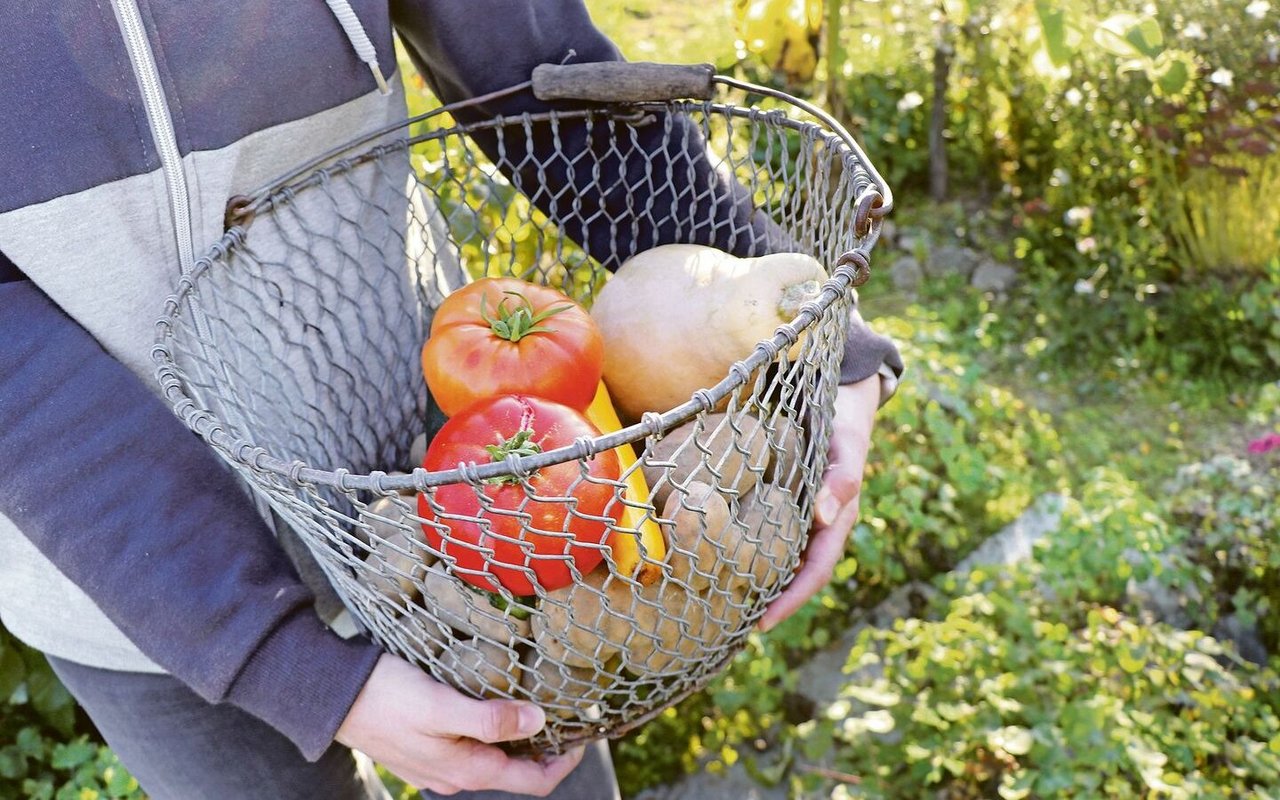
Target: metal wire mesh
x,y
293,348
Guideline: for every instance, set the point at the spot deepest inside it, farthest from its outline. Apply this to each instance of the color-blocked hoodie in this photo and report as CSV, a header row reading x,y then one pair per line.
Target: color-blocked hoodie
x,y
124,544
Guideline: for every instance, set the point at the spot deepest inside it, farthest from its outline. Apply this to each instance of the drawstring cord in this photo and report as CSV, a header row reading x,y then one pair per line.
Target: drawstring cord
x,y
359,40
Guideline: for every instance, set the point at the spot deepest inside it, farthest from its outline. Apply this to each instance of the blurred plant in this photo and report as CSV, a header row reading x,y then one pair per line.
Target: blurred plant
x,y
955,459
999,696
1228,512
45,752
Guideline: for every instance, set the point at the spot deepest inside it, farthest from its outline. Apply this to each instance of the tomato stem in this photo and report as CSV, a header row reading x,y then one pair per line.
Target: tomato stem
x,y
514,325
518,445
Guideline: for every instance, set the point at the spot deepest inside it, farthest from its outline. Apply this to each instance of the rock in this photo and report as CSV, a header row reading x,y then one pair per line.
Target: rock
x,y
888,232
1016,541
1162,602
994,277
1231,628
822,676
952,259
914,241
906,273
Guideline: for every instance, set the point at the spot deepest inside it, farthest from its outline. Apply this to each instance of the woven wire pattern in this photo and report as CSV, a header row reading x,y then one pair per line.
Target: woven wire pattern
x,y
294,349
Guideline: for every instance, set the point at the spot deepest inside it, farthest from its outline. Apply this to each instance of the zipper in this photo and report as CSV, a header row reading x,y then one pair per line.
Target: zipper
x,y
161,123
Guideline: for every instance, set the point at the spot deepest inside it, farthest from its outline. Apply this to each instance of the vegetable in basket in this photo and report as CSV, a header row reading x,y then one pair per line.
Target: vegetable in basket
x,y
676,317
512,532
626,546
499,336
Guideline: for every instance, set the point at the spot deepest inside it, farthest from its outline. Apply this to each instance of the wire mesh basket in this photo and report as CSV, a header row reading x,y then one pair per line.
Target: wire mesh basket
x,y
293,349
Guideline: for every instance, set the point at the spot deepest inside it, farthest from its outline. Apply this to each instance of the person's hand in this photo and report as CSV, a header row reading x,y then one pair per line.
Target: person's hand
x,y
434,737
837,502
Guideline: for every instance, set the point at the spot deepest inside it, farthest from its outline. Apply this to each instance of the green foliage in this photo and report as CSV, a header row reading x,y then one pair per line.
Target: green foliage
x,y
1113,533
1227,510
42,753
955,459
1003,697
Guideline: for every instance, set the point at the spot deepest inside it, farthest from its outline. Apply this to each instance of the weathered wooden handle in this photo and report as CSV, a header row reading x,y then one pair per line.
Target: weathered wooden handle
x,y
622,82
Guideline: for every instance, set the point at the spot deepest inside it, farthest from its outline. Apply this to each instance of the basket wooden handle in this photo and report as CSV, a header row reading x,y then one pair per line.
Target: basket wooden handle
x,y
623,82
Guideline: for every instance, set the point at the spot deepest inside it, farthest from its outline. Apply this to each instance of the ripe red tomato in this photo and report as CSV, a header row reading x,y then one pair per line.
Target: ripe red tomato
x,y
507,336
533,534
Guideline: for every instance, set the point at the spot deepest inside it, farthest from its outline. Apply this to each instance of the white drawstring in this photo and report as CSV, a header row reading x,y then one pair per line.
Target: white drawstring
x,y
359,40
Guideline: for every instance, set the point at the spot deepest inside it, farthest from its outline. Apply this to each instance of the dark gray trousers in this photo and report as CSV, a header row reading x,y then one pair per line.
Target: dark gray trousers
x,y
180,747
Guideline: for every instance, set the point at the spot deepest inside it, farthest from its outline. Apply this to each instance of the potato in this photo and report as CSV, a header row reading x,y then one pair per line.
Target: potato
x,y
577,625
417,450
727,452
563,691
787,442
470,612
385,518
482,668
677,632
767,523
399,558
697,518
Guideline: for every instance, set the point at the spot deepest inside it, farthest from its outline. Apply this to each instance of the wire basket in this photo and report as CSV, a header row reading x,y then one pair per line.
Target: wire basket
x,y
293,349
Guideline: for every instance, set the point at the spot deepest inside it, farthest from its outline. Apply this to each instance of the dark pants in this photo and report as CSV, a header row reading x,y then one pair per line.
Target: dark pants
x,y
181,748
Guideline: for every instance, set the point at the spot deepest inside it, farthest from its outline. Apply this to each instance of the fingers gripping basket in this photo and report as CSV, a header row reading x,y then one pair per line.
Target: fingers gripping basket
x,y
293,349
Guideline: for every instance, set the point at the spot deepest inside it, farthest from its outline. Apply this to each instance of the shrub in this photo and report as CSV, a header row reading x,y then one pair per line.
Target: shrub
x,y
955,459
1227,510
1000,697
48,754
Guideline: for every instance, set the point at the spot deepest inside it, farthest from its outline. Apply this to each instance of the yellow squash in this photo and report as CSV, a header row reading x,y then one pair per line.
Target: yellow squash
x,y
626,546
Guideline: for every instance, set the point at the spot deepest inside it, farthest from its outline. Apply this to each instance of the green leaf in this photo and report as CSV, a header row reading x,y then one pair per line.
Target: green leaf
x,y
52,700
1172,73
1128,35
73,754
13,764
1053,27
877,694
1013,739
12,671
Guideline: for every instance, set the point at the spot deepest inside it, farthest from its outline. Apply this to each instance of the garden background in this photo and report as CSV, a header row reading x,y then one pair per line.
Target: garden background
x,y
1066,578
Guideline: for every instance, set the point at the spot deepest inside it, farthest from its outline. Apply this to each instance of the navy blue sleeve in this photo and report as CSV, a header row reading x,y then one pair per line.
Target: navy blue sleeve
x,y
467,48
138,512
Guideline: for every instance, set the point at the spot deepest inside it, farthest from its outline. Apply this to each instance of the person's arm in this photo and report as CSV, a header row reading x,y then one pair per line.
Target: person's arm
x,y
138,512
131,506
460,49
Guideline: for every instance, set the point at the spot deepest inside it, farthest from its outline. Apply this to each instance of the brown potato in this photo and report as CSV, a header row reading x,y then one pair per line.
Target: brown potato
x,y
787,442
727,452
577,625
469,612
677,632
480,667
697,517
399,558
561,690
768,526
386,517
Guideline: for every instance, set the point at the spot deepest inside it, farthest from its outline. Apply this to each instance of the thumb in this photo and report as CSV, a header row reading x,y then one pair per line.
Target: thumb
x,y
494,721
840,486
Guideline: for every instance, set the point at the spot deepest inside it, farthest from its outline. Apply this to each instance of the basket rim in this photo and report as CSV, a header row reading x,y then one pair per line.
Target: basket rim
x,y
851,269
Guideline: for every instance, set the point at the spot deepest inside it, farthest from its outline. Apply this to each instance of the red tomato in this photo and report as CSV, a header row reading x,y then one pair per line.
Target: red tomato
x,y
532,534
507,336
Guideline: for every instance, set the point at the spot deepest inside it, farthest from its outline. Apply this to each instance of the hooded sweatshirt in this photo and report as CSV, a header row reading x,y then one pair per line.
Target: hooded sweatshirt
x,y
124,542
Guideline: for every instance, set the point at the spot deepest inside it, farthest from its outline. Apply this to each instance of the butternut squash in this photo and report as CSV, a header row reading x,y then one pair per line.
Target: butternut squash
x,y
675,318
